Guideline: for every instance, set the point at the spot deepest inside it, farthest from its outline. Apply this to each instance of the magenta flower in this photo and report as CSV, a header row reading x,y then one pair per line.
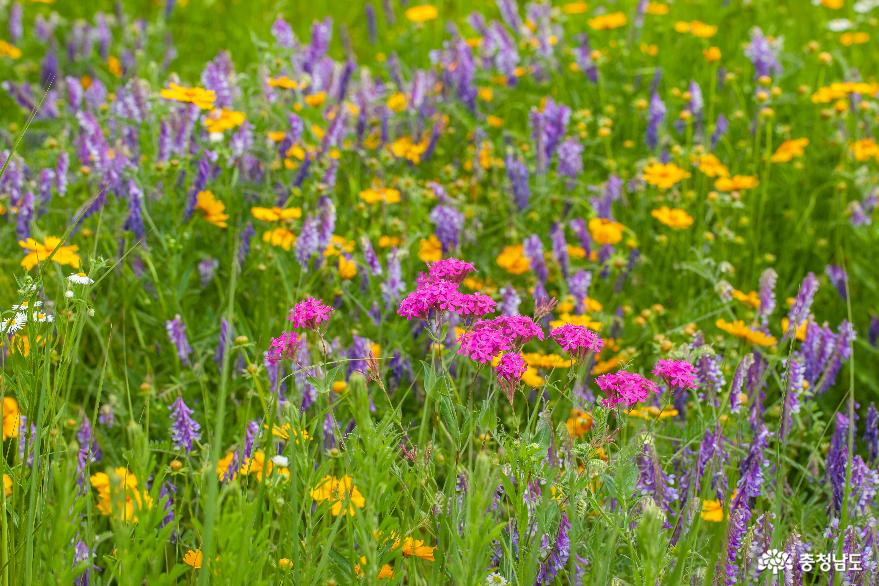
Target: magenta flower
x,y
284,347
436,296
450,269
473,304
488,338
677,374
578,341
309,313
625,388
509,372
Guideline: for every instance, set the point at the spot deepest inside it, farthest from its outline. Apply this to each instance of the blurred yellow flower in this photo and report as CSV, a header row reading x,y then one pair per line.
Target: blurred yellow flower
x,y
7,50
673,217
284,82
421,13
606,22
119,490
212,209
37,252
664,175
200,97
738,329
712,511
347,268
280,238
430,249
575,8
375,195
11,418
789,150
221,120
736,183
275,214
579,423
604,231
193,558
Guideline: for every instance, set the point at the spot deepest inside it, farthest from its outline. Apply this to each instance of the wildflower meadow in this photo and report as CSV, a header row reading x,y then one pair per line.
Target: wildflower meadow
x,y
471,293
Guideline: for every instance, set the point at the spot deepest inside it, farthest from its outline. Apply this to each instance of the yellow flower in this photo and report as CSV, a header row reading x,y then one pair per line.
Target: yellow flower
x,y
7,485
738,329
664,175
11,418
736,183
340,386
712,511
494,121
839,90
201,97
538,360
114,66
696,28
316,99
421,13
711,166
579,423
7,50
224,464
751,298
604,231
119,490
221,120
286,431
657,8
213,210
416,548
575,320
652,412
430,249
384,573
280,238
532,378
261,467
790,149
673,217
275,214
405,148
833,4
712,54
397,102
606,22
193,558
38,252
513,260
575,8
864,149
800,334
285,564
341,493
375,195
347,268
283,82
854,38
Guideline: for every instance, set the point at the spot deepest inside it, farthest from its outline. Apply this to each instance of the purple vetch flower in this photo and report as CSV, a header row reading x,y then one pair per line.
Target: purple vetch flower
x,y
583,57
251,435
184,429
82,553
558,555
283,34
329,429
134,222
448,222
207,268
308,241
655,117
796,369
375,267
837,460
578,225
861,211
201,180
802,304
560,247
842,351
225,338
394,286
750,484
763,54
533,250
653,481
838,278
15,25
613,191
548,128
864,484
873,331
871,432
737,528
517,173
62,165
767,294
166,497
177,334
218,76
321,33
721,125
25,216
358,354
107,416
510,301
578,287
570,160
244,244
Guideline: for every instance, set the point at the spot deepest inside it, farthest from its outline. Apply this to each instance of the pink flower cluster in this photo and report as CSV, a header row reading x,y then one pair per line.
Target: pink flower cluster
x,y
284,347
577,340
509,372
677,374
488,338
438,292
450,269
309,313
626,388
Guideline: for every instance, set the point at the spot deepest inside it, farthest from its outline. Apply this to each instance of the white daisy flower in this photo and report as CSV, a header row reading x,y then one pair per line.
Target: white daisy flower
x,y
840,24
495,579
80,279
68,294
280,460
23,306
44,317
13,324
